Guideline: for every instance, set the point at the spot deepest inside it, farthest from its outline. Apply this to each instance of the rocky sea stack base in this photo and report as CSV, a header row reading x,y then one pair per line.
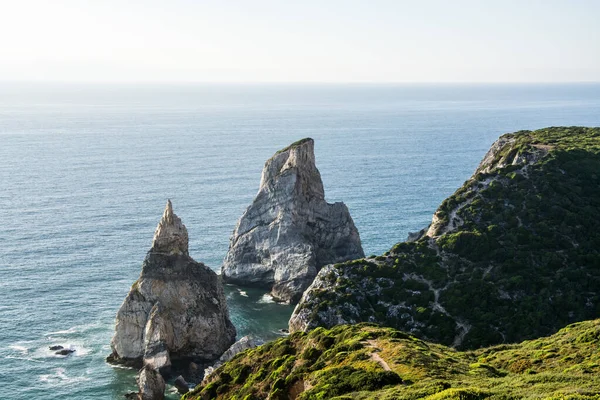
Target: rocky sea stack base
x,y
290,231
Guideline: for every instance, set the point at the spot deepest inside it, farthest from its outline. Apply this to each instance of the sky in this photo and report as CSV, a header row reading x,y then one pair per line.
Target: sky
x,y
367,41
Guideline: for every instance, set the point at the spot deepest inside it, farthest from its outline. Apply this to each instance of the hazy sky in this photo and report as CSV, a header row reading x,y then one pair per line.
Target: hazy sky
x,y
300,41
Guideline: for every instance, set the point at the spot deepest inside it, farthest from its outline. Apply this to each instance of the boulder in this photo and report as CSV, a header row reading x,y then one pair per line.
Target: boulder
x,y
151,384
65,352
181,385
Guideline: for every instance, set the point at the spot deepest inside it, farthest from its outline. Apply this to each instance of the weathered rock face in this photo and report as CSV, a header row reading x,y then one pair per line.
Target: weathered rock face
x,y
151,384
245,343
290,231
175,310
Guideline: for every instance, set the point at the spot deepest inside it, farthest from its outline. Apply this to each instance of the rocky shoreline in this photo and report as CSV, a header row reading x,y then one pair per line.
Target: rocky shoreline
x,y
304,250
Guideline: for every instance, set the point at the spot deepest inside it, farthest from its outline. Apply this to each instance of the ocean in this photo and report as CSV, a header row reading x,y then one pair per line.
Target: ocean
x,y
85,172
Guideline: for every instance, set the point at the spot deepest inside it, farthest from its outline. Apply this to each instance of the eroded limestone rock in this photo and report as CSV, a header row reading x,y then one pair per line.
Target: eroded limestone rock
x,y
151,384
175,310
290,231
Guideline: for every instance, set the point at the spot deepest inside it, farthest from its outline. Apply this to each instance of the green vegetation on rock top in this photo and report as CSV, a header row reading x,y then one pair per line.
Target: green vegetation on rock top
x,y
291,146
514,254
368,362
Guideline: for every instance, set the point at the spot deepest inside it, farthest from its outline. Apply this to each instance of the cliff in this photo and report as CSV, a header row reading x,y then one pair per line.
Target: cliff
x,y
290,231
369,362
175,310
513,254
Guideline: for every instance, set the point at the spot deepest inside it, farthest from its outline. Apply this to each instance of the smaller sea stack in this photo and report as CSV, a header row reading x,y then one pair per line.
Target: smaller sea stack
x,y
175,310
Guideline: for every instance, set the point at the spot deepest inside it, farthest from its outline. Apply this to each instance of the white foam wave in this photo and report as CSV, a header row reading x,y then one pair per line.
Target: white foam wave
x,y
119,366
21,349
64,332
60,377
24,359
266,299
75,329
243,293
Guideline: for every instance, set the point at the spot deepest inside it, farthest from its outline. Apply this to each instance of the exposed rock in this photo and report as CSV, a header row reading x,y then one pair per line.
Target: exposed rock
x,y
57,347
193,367
65,352
181,385
175,310
156,353
194,372
290,231
245,343
302,319
171,235
151,384
414,236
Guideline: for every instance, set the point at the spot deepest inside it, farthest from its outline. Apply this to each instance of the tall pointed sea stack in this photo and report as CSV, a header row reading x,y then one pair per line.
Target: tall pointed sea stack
x,y
290,231
176,309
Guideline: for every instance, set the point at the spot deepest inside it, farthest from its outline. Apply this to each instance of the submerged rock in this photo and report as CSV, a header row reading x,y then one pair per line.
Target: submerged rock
x,y
290,231
181,385
64,352
175,310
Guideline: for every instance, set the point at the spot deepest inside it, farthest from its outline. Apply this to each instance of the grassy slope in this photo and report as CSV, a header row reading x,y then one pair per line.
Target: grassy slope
x,y
522,261
347,362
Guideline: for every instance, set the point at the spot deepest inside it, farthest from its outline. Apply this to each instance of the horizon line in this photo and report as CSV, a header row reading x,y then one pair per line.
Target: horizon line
x,y
295,83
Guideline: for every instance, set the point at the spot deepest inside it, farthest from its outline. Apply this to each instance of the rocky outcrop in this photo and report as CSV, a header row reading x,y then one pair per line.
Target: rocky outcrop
x,y
175,310
290,231
245,343
181,385
511,255
151,384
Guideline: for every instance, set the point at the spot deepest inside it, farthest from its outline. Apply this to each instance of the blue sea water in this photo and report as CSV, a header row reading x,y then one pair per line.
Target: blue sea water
x,y
85,172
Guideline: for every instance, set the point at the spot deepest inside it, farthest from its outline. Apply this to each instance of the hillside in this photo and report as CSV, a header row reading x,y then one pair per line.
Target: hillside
x,y
513,254
368,362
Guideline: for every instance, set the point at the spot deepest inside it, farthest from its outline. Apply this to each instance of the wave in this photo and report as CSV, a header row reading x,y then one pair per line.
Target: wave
x,y
24,359
21,349
60,377
64,332
76,329
266,299
37,351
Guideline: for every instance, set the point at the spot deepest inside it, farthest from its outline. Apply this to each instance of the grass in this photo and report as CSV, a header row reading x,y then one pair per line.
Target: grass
x,y
291,146
337,363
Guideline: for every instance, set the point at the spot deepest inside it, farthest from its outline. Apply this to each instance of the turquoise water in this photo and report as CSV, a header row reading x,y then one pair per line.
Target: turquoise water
x,y
85,172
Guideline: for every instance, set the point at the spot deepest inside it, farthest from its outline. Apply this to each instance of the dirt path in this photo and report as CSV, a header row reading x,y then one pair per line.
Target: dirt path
x,y
376,357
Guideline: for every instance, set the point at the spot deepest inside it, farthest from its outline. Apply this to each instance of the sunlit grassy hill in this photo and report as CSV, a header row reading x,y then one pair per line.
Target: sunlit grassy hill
x,y
368,362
